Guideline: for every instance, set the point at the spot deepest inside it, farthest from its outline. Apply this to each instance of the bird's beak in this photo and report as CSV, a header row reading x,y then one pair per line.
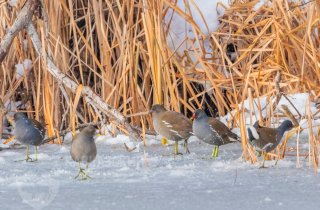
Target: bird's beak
x,y
193,116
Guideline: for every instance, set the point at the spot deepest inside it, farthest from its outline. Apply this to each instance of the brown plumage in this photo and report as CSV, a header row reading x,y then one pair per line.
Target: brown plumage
x,y
265,136
83,149
170,124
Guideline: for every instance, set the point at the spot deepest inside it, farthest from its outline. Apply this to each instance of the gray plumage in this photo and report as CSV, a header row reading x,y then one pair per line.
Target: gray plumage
x,y
83,147
268,138
28,131
211,130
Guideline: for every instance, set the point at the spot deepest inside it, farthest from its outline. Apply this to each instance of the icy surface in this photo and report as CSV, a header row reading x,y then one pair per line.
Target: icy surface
x,y
149,180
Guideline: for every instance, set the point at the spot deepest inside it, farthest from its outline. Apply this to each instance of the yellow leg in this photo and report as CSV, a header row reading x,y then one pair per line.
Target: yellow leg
x,y
215,151
86,172
80,173
186,147
28,159
176,148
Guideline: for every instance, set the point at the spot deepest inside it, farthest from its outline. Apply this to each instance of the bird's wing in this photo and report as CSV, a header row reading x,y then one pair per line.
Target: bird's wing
x,y
222,129
176,122
267,135
38,126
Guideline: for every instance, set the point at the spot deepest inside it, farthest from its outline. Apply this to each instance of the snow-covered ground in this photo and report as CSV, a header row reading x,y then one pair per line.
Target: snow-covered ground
x,y
150,180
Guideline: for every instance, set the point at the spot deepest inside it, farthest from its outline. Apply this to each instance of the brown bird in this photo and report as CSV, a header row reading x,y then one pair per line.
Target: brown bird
x,y
265,139
83,149
212,131
172,125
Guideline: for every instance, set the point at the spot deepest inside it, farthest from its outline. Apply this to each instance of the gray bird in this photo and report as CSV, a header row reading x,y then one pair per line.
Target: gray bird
x,y
265,139
28,132
211,131
172,125
83,149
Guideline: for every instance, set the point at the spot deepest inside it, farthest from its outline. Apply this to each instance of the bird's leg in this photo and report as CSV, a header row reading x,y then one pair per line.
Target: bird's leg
x,y
185,145
176,148
215,152
28,159
36,154
86,173
80,173
264,160
276,161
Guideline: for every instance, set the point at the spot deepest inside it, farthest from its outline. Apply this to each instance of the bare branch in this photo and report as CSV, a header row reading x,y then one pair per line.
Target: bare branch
x,y
89,95
23,19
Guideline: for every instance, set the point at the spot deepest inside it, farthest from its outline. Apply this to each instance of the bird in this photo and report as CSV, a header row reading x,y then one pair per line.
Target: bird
x,y
83,149
212,131
28,132
171,125
265,139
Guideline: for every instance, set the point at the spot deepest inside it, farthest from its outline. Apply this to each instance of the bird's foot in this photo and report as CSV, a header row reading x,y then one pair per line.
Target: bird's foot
x,y
81,174
86,177
28,159
176,154
263,166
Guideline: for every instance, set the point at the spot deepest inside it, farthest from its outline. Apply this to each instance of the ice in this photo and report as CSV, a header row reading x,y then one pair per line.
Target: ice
x,y
154,179
150,177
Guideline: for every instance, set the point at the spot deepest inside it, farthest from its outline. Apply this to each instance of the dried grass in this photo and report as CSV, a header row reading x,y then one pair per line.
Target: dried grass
x,y
119,49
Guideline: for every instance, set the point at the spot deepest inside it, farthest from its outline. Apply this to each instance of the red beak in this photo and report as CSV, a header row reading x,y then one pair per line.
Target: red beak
x,y
193,116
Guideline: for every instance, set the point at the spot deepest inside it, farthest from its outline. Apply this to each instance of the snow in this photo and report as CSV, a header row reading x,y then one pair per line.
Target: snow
x,y
13,3
181,32
298,101
153,179
261,3
22,67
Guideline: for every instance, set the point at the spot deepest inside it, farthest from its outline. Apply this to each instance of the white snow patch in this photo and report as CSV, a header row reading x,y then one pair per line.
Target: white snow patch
x,y
267,199
13,3
181,32
22,67
261,3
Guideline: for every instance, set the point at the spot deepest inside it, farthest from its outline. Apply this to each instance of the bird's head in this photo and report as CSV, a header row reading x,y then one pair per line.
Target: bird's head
x,y
198,114
19,116
286,126
89,131
157,108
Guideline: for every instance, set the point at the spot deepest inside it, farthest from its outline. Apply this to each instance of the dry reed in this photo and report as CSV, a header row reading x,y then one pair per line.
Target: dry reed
x,y
119,49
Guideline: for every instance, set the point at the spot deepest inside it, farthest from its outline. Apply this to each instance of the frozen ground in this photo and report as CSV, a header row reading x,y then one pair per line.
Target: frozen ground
x,y
148,180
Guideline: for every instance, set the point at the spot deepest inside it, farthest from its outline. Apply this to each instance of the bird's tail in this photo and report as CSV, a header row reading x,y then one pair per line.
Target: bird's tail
x,y
234,137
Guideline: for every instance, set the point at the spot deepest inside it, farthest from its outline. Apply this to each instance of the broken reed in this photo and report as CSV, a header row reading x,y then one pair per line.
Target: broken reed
x,y
119,49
